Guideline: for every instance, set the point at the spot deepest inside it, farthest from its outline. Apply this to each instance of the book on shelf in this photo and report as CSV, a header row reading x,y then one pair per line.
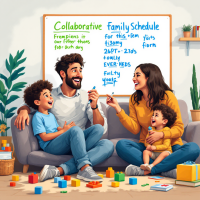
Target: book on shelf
x,y
5,155
196,31
161,187
188,183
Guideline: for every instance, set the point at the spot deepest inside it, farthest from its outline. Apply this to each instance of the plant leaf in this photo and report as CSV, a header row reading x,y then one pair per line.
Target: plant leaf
x,y
8,67
5,79
11,99
9,115
19,62
11,60
2,88
8,112
16,73
20,54
7,128
9,82
2,108
18,86
3,98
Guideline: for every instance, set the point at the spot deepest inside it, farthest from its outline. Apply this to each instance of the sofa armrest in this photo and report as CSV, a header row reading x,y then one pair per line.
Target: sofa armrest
x,y
21,142
193,134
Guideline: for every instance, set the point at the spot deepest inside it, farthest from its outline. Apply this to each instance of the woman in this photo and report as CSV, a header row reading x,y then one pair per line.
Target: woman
x,y
151,89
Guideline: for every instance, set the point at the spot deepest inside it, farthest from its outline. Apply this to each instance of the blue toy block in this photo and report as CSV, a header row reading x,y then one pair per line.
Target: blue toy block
x,y
62,184
2,148
38,190
133,181
56,179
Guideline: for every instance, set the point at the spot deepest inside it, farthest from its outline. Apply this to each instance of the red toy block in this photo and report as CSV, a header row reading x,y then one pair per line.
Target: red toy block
x,y
7,148
12,184
94,184
33,178
67,178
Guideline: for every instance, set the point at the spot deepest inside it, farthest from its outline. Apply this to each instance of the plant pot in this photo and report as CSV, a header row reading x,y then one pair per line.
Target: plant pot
x,y
186,33
195,115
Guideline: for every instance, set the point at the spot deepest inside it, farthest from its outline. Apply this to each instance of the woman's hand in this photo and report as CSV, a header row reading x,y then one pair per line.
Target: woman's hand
x,y
111,101
154,136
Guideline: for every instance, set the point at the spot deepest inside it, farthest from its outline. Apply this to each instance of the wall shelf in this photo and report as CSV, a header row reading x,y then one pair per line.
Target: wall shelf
x,y
188,40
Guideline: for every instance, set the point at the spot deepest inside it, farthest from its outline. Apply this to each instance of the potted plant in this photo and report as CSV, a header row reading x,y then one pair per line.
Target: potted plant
x,y
195,113
186,30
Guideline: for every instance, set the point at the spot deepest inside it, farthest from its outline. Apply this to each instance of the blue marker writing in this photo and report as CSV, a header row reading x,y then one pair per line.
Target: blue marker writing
x,y
90,99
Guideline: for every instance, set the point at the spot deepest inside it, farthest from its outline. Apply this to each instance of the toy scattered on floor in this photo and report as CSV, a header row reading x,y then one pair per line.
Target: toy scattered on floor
x,y
110,172
15,178
101,175
38,190
145,185
119,176
63,191
157,181
67,178
62,184
94,184
56,179
12,184
75,183
156,177
161,187
133,181
115,184
33,178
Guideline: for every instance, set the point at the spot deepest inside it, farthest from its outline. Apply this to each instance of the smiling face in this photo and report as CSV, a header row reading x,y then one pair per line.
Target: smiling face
x,y
74,76
46,100
140,80
157,120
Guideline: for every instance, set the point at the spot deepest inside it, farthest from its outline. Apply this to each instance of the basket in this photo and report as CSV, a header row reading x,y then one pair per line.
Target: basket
x,y
7,167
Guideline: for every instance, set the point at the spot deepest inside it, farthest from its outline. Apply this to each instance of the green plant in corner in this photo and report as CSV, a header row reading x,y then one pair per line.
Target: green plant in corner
x,y
194,92
5,97
187,28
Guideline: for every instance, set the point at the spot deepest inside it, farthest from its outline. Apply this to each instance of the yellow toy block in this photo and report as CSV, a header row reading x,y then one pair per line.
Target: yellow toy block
x,y
3,141
115,184
15,178
188,172
110,172
101,175
4,144
75,183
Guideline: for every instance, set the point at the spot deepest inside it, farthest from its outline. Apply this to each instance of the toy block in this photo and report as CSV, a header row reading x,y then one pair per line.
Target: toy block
x,y
119,176
62,184
33,178
12,184
63,191
75,183
115,184
133,181
110,172
3,148
15,178
3,145
7,144
4,141
94,184
101,175
38,190
67,178
7,148
56,179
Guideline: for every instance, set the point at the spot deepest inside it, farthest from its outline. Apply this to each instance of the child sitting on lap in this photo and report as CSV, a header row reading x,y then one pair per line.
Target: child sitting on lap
x,y
163,118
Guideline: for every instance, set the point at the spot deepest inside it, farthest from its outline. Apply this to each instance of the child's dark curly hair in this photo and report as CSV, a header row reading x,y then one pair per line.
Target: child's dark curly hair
x,y
167,112
63,63
32,92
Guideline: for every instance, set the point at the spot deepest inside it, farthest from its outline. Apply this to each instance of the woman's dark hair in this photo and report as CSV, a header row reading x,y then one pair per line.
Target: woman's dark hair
x,y
155,83
32,92
167,113
63,63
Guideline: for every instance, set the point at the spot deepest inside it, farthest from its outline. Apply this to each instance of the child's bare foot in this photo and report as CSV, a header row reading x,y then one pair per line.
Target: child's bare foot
x,y
149,167
146,172
143,166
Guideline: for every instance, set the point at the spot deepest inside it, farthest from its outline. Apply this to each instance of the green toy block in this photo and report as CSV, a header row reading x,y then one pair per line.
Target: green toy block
x,y
119,176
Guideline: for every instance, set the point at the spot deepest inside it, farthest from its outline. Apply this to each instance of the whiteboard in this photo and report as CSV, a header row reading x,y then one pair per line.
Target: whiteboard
x,y
111,46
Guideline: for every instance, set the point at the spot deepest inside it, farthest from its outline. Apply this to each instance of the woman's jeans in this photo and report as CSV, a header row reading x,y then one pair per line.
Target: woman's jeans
x,y
85,146
132,152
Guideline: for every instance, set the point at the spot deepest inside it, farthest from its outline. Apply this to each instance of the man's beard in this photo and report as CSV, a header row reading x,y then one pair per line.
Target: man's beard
x,y
70,83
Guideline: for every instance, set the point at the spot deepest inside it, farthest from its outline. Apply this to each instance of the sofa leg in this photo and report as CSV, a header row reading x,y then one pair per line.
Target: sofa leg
x,y
25,168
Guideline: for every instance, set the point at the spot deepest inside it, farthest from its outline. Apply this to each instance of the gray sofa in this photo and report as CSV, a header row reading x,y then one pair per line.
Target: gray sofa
x,y
28,151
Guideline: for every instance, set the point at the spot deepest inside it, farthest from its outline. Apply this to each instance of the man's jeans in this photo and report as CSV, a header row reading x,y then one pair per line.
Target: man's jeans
x,y
132,152
83,145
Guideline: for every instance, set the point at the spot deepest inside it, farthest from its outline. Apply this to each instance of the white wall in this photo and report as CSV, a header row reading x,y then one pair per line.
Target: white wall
x,y
21,28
